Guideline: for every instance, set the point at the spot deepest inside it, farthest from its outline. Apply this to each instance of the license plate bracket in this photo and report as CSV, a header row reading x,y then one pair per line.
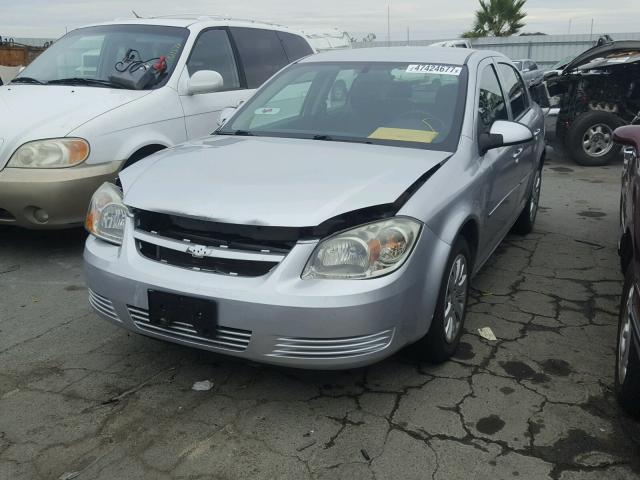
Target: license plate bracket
x,y
165,309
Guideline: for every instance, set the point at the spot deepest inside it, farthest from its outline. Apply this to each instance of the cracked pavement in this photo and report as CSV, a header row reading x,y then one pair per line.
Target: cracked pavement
x,y
82,399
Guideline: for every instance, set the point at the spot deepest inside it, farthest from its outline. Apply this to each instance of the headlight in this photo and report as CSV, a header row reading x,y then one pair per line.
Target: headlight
x,y
107,214
367,251
52,153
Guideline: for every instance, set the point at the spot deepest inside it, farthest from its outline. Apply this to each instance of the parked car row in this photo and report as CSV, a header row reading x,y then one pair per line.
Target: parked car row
x,y
314,211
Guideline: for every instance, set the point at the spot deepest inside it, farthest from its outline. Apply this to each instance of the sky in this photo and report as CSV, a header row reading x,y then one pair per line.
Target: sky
x,y
425,19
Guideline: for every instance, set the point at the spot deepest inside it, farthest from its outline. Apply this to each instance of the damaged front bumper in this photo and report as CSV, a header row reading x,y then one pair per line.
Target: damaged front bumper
x,y
275,318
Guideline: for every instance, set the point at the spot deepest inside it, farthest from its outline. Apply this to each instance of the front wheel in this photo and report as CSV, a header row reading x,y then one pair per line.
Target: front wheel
x,y
443,337
627,381
526,220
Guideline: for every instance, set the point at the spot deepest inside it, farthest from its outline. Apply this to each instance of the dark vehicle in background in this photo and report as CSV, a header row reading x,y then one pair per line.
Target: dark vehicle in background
x,y
529,70
599,91
627,378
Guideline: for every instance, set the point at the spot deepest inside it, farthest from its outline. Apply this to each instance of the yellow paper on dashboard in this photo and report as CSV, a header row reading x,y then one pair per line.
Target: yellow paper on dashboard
x,y
404,135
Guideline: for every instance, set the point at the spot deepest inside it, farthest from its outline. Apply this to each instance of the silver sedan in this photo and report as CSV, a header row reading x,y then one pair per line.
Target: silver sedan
x,y
333,219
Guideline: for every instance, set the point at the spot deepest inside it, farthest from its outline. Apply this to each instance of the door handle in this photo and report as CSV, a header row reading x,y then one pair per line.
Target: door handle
x,y
517,153
537,132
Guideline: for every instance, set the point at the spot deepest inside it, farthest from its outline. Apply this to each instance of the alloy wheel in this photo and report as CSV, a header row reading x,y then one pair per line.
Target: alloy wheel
x,y
535,196
455,298
624,339
598,140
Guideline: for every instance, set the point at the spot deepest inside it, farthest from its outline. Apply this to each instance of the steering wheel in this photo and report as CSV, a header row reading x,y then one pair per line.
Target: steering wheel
x,y
429,120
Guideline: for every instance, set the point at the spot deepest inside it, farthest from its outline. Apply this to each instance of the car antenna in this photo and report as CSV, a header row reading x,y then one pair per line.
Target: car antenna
x,y
136,15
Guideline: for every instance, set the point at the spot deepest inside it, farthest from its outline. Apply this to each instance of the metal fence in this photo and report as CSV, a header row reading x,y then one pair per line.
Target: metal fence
x,y
546,50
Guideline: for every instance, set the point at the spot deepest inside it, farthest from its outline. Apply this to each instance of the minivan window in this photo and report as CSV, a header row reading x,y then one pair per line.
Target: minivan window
x,y
295,46
91,54
261,53
212,51
398,104
514,89
491,104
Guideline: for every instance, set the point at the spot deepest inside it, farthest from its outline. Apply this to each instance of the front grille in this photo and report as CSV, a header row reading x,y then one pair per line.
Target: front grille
x,y
243,268
329,348
226,338
226,249
252,238
6,215
103,305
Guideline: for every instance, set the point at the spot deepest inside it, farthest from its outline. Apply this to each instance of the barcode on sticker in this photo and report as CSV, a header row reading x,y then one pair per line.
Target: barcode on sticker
x,y
433,68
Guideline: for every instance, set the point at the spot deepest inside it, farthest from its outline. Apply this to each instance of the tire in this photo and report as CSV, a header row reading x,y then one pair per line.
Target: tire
x,y
597,128
527,219
440,343
627,376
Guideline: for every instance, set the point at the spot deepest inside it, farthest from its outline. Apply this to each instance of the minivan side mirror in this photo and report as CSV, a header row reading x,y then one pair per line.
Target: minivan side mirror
x,y
504,134
204,81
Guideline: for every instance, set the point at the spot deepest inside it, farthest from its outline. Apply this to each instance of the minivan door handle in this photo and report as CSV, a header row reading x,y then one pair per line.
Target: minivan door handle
x,y
537,132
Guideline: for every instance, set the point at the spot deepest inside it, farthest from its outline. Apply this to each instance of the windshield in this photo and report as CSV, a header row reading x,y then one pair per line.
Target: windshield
x,y
409,105
91,56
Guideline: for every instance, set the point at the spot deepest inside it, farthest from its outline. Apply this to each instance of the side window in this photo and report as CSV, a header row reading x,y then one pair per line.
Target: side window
x,y
212,51
515,90
533,66
261,54
294,46
491,105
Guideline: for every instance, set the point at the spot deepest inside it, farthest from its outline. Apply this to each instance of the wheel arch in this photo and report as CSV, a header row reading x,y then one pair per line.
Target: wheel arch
x,y
143,152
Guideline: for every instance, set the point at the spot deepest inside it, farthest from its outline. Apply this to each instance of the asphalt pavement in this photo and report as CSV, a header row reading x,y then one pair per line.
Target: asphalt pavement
x,y
82,399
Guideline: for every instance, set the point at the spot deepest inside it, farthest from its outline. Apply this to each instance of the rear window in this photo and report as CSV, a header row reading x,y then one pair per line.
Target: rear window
x,y
295,46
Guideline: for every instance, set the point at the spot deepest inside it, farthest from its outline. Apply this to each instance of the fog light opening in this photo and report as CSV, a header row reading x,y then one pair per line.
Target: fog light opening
x,y
41,215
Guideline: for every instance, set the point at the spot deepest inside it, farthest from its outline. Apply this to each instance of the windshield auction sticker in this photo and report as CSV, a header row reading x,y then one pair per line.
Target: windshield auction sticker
x,y
434,68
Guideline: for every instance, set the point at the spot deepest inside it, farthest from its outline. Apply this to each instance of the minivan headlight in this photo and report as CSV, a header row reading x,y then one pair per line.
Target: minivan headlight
x,y
50,153
107,214
367,251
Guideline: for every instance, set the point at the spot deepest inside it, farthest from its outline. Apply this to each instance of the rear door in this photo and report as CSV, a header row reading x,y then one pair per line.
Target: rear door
x,y
261,53
212,50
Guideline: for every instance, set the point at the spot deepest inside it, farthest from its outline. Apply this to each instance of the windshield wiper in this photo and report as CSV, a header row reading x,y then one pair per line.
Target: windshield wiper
x,y
34,81
241,133
83,81
326,138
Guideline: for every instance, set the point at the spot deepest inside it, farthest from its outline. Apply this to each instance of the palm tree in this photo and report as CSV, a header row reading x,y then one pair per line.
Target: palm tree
x,y
497,18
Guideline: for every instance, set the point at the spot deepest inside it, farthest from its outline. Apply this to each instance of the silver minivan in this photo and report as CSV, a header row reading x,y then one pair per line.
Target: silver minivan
x,y
335,218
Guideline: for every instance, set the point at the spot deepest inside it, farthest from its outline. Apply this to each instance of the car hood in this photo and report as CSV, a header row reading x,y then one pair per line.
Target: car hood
x,y
31,112
273,181
610,54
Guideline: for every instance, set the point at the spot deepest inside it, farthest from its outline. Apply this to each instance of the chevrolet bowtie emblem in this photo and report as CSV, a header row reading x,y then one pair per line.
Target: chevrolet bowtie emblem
x,y
199,251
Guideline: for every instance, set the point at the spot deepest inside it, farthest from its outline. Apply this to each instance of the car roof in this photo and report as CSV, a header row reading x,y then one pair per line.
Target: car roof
x,y
187,21
446,55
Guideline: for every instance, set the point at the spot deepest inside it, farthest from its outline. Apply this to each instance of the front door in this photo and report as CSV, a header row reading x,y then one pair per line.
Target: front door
x,y
504,177
211,51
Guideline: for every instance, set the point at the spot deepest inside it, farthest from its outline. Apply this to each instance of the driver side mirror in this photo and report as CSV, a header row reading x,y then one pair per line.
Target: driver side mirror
x,y
204,81
504,134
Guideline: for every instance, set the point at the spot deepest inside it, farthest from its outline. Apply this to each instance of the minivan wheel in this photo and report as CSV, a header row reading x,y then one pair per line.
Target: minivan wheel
x,y
525,222
627,377
590,138
443,337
